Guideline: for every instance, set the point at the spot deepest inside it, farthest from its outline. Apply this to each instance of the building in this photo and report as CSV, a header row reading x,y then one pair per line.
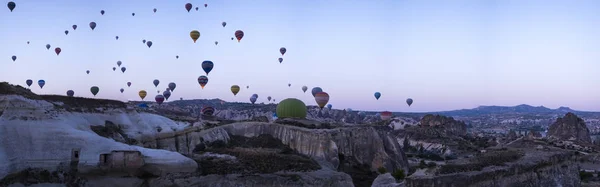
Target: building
x,y
121,161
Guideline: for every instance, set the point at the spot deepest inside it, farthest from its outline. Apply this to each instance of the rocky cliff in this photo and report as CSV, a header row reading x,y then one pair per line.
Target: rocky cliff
x,y
570,127
450,126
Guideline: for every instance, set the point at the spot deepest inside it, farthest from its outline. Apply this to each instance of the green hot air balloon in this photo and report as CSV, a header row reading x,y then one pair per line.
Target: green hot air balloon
x,y
94,90
291,108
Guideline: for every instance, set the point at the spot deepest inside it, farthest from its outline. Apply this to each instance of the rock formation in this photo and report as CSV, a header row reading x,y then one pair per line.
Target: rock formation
x,y
449,125
571,128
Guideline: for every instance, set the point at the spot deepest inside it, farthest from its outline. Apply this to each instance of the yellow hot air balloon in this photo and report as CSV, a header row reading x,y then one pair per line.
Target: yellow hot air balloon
x,y
235,89
195,35
142,94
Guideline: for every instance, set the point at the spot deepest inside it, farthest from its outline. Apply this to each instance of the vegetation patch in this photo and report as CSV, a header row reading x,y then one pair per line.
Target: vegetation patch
x,y
32,176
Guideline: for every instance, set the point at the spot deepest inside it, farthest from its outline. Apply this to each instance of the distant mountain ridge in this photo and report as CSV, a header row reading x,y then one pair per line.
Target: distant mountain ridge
x,y
519,109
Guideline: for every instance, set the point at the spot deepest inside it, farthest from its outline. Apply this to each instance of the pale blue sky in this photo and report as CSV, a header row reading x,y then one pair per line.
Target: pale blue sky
x,y
444,54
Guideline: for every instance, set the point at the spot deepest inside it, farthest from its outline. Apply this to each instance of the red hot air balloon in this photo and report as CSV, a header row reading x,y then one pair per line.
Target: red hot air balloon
x,y
239,34
188,6
159,99
57,50
386,115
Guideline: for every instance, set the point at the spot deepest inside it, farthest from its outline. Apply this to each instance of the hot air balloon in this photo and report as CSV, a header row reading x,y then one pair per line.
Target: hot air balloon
x,y
409,101
235,89
177,57
29,82
231,38
172,86
122,90
167,89
289,85
377,95
304,88
27,42
11,5
70,93
132,14
88,71
156,82
57,50
329,106
144,41
142,94
159,99
74,27
167,94
224,23
66,32
128,84
14,58
117,37
119,63
102,12
316,90
207,66
247,87
282,50
239,34
207,110
92,25
202,80
154,10
280,60
385,115
195,35
41,83
48,46
123,69
196,8
269,98
94,90
188,6
291,108
322,98
205,5
216,43
255,95
114,68
253,99
149,44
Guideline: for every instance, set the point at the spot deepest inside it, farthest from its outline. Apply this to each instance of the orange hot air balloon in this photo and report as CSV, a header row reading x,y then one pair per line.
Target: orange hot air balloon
x,y
322,99
239,34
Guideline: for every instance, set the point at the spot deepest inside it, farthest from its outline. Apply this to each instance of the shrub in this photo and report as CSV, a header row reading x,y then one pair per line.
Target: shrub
x,y
422,164
431,164
381,170
585,175
399,174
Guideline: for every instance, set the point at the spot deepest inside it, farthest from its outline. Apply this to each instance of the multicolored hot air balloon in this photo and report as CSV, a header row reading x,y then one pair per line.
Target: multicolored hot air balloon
x,y
92,25
167,94
253,99
149,44
207,110
128,84
224,23
41,83
239,34
94,90
235,89
123,69
159,99
207,66
57,50
74,27
202,80
142,94
14,58
172,86
102,12
122,90
156,82
119,63
282,50
385,115
11,5
70,93
409,101
195,35
48,46
291,108
316,90
188,6
280,60
29,82
304,88
377,95
322,98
